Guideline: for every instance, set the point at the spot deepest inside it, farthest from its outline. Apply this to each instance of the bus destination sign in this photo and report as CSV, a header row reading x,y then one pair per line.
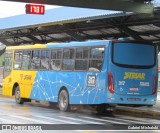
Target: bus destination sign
x,y
35,9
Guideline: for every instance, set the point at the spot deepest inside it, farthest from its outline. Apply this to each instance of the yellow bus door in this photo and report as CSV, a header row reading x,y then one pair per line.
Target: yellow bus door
x,y
7,79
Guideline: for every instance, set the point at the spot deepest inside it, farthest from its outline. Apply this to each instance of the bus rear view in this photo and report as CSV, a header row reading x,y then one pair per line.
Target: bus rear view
x,y
133,73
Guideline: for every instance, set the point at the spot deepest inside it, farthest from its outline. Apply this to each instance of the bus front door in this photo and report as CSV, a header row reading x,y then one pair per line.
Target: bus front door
x,y
7,81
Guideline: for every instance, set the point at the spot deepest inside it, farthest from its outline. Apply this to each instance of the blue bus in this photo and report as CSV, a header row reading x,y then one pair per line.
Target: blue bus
x,y
100,73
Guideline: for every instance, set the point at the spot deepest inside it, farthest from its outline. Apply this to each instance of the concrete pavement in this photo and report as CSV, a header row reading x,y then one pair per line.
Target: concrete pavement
x,y
143,111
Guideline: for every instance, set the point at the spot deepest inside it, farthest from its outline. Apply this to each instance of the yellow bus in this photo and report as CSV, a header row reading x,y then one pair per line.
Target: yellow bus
x,y
18,79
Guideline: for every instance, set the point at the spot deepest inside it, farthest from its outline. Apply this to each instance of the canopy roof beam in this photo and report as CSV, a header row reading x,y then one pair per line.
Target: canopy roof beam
x,y
119,5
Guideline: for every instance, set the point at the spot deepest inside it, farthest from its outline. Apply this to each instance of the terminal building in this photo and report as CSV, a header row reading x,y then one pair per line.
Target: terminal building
x,y
65,24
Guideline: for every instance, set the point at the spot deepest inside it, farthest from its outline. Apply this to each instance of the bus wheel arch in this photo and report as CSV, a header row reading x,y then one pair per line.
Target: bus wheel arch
x,y
14,88
63,99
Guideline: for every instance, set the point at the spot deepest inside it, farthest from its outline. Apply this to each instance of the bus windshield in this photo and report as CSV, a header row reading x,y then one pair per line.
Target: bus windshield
x,y
133,55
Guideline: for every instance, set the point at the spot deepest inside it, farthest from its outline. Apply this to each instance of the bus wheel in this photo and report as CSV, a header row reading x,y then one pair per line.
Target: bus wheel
x,y
63,100
18,99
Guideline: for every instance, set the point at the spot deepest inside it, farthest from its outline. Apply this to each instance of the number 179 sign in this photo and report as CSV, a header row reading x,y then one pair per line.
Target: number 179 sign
x,y
35,9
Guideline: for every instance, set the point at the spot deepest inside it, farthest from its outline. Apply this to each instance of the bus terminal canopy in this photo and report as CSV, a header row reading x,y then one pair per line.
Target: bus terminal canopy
x,y
65,24
138,6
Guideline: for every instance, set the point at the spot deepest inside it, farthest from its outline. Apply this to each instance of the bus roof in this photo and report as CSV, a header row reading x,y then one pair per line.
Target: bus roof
x,y
77,43
26,46
70,44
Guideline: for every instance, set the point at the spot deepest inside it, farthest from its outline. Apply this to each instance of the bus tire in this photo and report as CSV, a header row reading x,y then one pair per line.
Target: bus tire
x,y
63,100
18,99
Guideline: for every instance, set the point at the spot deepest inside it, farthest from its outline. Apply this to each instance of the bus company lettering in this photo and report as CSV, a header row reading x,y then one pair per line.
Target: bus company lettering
x,y
134,75
27,77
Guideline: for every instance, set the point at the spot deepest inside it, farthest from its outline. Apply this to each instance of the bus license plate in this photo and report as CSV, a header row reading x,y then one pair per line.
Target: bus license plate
x,y
133,99
133,89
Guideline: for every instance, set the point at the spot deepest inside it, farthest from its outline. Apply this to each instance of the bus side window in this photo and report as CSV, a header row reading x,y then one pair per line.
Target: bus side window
x,y
96,59
17,59
56,59
68,59
45,54
35,61
26,57
81,61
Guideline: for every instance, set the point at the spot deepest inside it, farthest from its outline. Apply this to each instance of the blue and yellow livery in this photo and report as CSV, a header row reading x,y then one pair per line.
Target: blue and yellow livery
x,y
98,73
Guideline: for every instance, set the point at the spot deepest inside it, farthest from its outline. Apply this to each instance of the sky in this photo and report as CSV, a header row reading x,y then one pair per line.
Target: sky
x,y
8,9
